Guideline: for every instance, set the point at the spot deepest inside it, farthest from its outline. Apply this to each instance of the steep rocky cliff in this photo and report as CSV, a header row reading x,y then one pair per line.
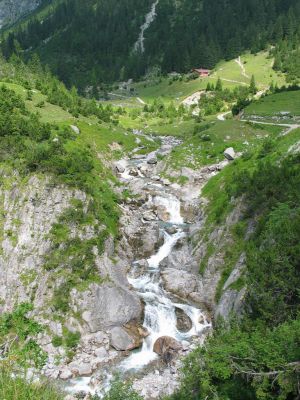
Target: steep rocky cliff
x,y
12,10
30,211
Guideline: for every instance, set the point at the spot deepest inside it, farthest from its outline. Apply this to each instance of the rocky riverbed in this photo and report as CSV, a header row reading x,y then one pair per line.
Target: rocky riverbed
x,y
157,221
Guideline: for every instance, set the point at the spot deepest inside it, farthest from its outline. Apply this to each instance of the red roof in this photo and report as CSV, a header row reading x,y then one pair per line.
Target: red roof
x,y
202,70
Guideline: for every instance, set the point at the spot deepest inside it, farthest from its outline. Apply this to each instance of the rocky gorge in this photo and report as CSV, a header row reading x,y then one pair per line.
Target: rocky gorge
x,y
151,305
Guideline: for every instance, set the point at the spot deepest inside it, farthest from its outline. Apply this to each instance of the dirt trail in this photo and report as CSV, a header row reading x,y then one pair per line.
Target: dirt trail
x,y
221,117
291,127
240,63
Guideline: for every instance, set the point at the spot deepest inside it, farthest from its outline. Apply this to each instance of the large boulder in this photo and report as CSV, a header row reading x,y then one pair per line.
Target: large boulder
x,y
179,282
184,322
107,306
128,337
80,368
121,340
230,154
167,348
149,216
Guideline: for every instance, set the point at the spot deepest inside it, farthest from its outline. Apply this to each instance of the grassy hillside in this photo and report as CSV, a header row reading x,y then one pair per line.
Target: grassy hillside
x,y
276,104
207,143
230,72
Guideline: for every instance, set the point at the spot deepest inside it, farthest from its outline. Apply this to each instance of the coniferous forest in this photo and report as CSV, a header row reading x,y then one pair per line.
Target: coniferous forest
x,y
92,42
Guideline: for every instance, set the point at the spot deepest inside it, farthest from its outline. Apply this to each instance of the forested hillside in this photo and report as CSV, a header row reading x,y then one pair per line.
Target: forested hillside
x,y
90,42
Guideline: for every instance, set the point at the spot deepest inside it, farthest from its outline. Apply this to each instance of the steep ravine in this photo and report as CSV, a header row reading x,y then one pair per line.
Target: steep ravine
x,y
149,286
160,222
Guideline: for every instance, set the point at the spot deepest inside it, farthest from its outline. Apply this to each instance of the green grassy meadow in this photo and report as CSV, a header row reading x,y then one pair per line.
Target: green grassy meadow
x,y
275,104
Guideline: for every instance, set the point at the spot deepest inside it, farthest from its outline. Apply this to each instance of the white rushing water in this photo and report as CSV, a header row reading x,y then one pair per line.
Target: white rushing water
x,y
150,17
172,205
165,250
160,317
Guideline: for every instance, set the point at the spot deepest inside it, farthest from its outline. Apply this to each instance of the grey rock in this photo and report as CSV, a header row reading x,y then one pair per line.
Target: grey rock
x,y
79,368
101,353
75,129
155,178
171,230
232,302
152,160
108,306
121,340
65,374
179,282
230,154
120,167
133,172
149,216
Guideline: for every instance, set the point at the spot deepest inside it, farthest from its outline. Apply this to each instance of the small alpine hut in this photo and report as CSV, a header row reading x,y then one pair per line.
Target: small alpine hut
x,y
202,72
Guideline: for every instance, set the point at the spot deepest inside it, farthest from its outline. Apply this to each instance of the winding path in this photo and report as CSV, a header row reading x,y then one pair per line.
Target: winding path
x,y
291,127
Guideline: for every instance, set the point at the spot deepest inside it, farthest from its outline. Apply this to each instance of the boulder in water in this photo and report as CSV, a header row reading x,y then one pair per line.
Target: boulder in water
x,y
133,172
184,323
163,213
229,154
167,348
171,230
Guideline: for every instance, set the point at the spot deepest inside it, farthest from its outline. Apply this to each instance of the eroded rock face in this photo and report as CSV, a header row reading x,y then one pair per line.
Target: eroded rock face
x,y
12,10
30,212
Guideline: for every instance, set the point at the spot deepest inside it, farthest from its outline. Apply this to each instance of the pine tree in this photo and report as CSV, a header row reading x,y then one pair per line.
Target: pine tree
x,y
252,87
219,85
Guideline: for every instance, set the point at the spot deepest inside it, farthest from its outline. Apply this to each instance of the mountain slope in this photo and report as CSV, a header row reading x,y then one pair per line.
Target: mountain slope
x,y
91,42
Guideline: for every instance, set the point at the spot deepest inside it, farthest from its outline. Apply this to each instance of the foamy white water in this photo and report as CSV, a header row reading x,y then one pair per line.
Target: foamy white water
x,y
165,250
172,205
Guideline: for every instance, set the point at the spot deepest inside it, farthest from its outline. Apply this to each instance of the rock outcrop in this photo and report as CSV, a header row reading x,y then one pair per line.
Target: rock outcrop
x,y
12,10
31,209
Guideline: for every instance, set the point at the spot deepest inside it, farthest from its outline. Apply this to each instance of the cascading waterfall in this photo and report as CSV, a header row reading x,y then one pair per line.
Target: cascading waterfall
x,y
160,311
172,205
150,17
